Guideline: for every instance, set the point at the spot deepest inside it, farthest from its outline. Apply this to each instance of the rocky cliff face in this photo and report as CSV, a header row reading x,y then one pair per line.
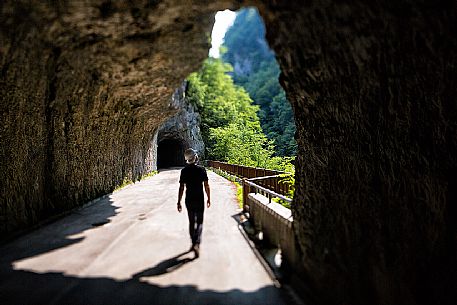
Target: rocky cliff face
x,y
184,126
373,88
85,86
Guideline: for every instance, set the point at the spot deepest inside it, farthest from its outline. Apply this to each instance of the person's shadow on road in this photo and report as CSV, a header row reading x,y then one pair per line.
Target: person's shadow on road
x,y
165,266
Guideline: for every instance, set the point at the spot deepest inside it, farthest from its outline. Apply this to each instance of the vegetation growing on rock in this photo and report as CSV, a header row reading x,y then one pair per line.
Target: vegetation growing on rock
x,y
256,70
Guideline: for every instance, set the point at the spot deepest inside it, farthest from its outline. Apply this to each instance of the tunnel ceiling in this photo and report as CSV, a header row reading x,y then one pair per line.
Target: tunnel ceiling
x,y
84,86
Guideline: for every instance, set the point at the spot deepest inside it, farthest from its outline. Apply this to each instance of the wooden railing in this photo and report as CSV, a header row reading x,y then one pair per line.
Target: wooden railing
x,y
243,171
266,178
253,185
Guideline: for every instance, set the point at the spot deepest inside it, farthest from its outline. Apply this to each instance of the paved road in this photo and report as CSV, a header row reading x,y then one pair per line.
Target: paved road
x,y
130,248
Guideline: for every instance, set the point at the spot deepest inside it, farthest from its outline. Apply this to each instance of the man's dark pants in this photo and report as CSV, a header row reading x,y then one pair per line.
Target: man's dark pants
x,y
195,225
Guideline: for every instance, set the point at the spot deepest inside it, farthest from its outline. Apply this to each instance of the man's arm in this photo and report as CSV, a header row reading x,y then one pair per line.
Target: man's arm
x,y
207,190
181,192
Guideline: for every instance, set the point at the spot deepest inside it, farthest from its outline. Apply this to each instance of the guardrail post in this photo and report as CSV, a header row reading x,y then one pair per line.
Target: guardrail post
x,y
246,188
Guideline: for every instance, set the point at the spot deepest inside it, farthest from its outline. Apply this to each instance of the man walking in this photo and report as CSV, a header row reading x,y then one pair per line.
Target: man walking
x,y
194,177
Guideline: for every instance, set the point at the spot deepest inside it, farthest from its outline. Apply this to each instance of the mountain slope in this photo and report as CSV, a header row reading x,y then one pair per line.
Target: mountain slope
x,y
255,69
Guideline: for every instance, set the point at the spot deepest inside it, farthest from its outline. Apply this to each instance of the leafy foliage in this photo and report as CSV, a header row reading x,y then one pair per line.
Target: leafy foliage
x,y
230,126
289,178
256,70
218,100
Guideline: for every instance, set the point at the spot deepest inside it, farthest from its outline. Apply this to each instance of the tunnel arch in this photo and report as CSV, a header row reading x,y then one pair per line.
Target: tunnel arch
x,y
170,153
371,86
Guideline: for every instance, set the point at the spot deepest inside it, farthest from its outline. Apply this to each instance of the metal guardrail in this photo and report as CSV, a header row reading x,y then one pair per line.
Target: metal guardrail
x,y
250,187
265,178
243,171
268,217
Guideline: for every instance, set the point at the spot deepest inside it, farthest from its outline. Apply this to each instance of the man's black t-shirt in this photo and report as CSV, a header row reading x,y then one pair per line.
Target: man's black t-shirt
x,y
193,176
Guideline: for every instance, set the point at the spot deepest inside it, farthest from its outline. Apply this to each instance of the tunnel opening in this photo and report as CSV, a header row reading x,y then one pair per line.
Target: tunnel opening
x,y
250,77
250,80
170,153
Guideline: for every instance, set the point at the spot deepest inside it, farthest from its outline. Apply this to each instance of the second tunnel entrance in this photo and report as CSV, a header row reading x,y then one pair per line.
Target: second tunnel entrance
x,y
170,152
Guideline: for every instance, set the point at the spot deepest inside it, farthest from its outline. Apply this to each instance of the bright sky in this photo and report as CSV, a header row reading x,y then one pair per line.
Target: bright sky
x,y
224,19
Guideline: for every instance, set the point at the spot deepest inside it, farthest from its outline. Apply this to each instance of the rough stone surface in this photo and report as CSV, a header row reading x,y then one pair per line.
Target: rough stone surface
x,y
184,126
85,85
373,86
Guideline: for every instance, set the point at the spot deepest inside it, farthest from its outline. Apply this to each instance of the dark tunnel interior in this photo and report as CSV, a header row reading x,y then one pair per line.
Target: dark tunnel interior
x,y
170,153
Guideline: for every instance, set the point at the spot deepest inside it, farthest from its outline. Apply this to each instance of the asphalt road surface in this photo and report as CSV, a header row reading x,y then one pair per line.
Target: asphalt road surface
x,y
130,247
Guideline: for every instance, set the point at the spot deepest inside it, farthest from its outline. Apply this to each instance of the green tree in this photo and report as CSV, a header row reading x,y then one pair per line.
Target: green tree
x,y
219,101
256,70
230,126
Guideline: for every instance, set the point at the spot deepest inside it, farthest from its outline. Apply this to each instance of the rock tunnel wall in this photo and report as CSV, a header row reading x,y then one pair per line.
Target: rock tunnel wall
x,y
84,88
183,128
85,85
373,89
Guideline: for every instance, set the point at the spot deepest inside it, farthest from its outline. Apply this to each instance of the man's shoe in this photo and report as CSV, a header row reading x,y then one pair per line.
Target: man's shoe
x,y
197,250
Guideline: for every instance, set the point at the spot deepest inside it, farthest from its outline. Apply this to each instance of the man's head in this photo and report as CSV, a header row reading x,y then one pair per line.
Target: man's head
x,y
191,156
